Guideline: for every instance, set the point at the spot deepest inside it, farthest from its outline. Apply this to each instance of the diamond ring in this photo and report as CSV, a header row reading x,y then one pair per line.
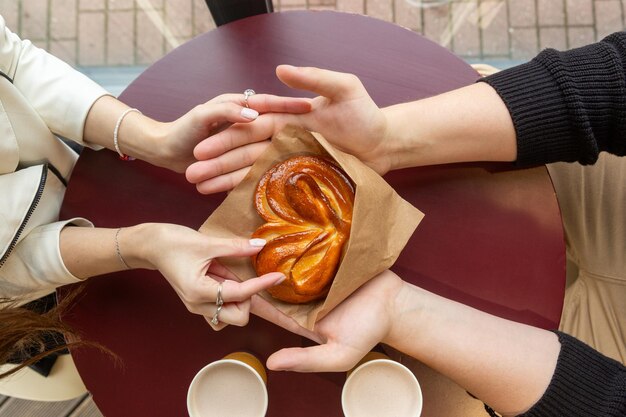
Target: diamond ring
x,y
247,94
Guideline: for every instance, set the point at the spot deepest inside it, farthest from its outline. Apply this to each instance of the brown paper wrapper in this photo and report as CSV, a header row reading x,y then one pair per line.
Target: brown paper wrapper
x,y
382,222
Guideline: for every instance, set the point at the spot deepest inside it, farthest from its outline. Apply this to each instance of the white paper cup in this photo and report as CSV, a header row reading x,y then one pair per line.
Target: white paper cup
x,y
381,387
231,387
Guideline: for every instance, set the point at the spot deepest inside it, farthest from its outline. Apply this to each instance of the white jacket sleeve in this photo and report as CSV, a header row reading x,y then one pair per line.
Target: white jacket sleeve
x,y
61,95
35,266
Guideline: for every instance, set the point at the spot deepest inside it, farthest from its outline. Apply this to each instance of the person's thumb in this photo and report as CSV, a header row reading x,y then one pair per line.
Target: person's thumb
x,y
331,84
321,358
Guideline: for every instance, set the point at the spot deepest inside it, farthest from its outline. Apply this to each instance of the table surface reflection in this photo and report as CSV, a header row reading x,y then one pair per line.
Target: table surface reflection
x,y
491,238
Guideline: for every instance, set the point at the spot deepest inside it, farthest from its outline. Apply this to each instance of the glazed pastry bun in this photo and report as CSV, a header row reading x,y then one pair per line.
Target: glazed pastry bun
x,y
307,204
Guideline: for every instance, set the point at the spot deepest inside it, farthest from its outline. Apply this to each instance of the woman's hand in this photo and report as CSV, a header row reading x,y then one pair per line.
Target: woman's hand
x,y
349,331
180,137
187,259
343,112
171,145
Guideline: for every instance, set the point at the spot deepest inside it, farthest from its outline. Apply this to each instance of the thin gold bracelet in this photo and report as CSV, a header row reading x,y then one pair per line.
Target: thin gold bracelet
x,y
117,249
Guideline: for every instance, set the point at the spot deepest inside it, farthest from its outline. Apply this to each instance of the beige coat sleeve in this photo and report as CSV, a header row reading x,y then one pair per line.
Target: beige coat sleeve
x,y
35,267
61,95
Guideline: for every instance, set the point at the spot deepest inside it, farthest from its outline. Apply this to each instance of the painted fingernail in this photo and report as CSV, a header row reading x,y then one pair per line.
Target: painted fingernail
x,y
249,113
257,242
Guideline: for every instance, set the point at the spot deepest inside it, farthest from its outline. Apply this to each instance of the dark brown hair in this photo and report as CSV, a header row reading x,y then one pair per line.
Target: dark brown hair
x,y
24,332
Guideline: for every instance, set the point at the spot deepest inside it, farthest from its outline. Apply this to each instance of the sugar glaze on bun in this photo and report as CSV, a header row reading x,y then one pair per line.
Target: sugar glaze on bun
x,y
307,204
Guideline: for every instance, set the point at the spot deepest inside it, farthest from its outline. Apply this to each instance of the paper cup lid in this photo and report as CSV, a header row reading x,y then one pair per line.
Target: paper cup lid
x,y
227,388
381,388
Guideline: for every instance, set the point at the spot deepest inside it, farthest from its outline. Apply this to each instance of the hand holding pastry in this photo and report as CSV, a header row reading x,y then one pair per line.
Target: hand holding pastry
x,y
188,260
343,112
349,331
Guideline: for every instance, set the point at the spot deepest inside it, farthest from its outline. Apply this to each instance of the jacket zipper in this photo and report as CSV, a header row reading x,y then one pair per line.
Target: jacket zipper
x,y
31,209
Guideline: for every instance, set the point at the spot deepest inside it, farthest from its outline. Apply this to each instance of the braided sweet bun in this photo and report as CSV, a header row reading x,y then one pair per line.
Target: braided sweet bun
x,y
307,203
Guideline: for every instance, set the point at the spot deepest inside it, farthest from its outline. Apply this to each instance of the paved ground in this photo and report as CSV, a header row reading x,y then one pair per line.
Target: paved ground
x,y
137,32
79,407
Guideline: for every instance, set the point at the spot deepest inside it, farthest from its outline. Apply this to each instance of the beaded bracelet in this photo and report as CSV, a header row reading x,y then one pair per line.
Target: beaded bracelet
x,y
123,156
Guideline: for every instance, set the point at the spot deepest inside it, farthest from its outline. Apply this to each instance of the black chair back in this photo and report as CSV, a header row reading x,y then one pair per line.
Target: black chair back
x,y
225,11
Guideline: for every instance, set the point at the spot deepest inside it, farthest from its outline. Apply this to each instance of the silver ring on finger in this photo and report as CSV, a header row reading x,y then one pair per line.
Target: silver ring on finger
x,y
215,320
247,94
219,302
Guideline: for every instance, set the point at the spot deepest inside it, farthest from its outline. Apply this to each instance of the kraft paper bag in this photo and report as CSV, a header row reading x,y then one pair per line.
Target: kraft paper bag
x,y
382,222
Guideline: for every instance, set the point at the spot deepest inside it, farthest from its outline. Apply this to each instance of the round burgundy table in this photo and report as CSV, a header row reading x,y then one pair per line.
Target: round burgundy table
x,y
491,237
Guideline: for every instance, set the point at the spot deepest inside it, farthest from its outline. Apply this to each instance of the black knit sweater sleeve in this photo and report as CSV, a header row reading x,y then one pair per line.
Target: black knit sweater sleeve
x,y
585,384
568,106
